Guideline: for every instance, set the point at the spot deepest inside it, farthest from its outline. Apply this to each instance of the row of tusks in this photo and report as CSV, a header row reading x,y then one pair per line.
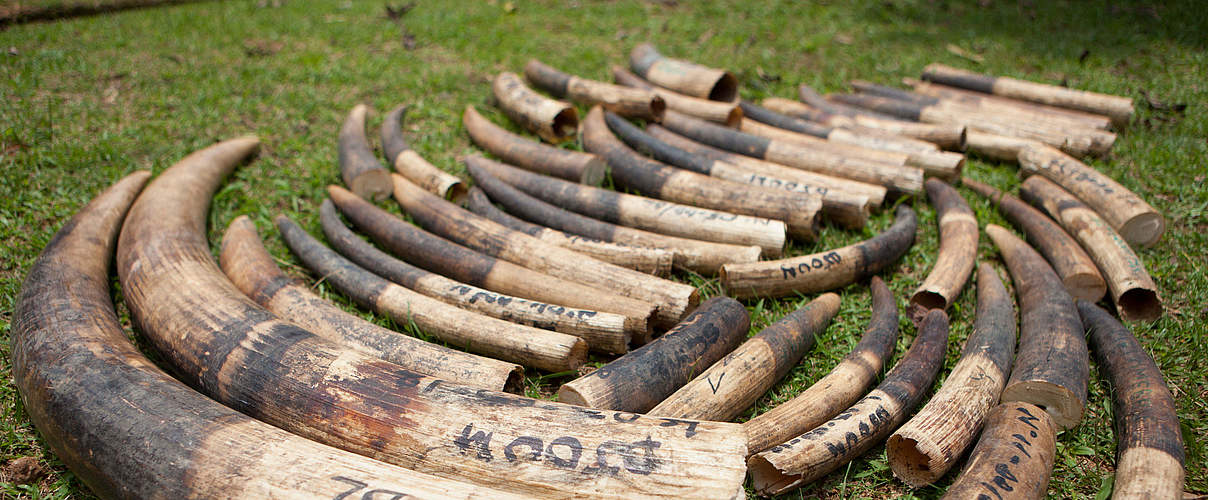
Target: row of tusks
x,y
268,347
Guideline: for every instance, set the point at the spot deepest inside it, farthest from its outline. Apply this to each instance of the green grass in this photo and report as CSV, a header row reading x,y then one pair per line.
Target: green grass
x,y
86,101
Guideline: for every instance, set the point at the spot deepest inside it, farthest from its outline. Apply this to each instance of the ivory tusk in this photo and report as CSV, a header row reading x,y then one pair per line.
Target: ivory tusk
x,y
626,101
822,271
683,76
554,121
726,113
1013,458
1051,365
253,271
359,168
957,253
950,137
574,166
992,103
1120,109
411,165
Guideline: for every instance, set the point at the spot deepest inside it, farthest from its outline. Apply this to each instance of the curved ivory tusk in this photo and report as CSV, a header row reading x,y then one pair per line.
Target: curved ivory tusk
x,y
649,260
799,213
726,113
823,271
626,101
992,103
554,121
1132,289
672,300
1051,366
444,257
238,353
637,381
574,166
850,210
730,386
837,390
411,165
1013,458
698,256
957,253
252,270
682,76
526,345
766,173
1076,269
669,223
1120,109
126,428
811,97
1079,141
923,449
950,137
1149,449
1136,221
899,178
810,456
358,166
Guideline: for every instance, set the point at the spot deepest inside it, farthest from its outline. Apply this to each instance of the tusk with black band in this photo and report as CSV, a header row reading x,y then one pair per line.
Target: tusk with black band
x,y
923,449
810,456
672,300
574,166
992,103
222,343
845,383
800,214
950,137
638,381
554,121
730,386
250,267
626,101
1130,286
1051,364
1120,109
359,168
726,113
822,271
649,260
1075,268
694,255
957,254
411,165
682,76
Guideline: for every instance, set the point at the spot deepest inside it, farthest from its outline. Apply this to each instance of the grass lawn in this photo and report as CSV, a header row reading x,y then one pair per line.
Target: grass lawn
x,y
88,100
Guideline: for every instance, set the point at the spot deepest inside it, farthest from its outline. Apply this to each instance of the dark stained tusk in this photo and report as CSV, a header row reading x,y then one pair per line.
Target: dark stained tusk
x,y
846,383
413,166
800,214
219,341
359,168
672,300
514,309
816,100
1149,449
1075,268
902,179
810,456
626,101
726,113
649,260
1051,365
765,173
732,385
950,137
704,257
682,76
1136,221
826,270
552,120
1129,284
126,428
574,166
1120,109
1081,141
638,381
499,339
849,210
820,145
250,267
957,253
1013,457
443,257
923,449
992,103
